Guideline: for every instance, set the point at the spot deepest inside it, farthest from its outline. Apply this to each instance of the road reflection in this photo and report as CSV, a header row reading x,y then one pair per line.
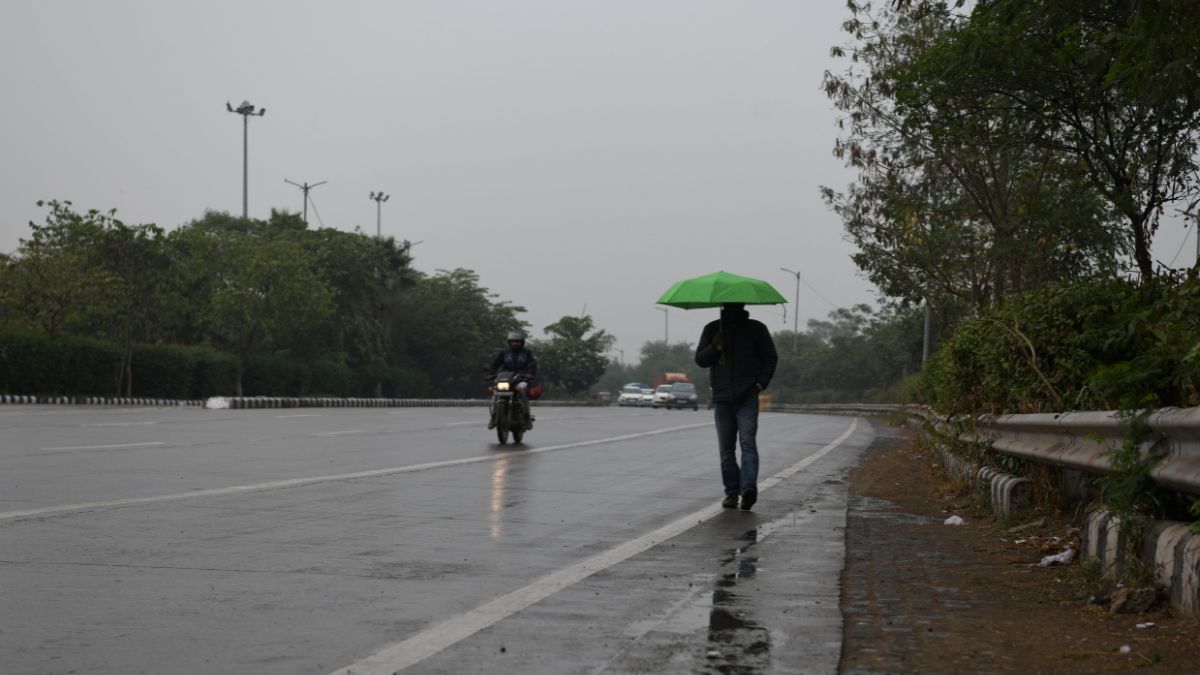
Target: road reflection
x,y
737,643
499,482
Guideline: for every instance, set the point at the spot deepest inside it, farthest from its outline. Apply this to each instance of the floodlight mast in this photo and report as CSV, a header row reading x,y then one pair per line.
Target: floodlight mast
x,y
379,198
305,188
245,110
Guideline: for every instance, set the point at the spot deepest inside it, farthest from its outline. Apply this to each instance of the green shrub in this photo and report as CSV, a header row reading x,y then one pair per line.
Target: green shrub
x,y
331,378
274,375
59,365
399,382
214,373
163,371
1077,346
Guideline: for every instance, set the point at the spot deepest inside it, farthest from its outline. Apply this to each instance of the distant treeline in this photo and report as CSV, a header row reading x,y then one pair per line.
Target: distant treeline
x,y
856,354
225,305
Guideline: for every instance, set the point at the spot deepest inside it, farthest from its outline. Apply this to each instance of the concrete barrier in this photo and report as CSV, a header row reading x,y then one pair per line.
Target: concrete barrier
x,y
30,399
261,402
1007,492
1169,548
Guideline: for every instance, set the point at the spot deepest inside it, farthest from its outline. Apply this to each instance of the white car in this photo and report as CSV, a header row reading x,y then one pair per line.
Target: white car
x,y
662,395
630,396
647,398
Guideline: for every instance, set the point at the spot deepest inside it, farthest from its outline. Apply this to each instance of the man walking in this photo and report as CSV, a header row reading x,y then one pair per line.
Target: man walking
x,y
740,356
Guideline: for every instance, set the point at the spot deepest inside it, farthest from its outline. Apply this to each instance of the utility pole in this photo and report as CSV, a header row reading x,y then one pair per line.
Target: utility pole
x,y
305,188
795,310
245,110
666,325
379,198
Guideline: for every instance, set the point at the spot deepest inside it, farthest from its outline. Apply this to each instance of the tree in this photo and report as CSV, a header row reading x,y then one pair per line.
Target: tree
x,y
264,297
446,327
571,358
367,276
90,273
951,205
1085,73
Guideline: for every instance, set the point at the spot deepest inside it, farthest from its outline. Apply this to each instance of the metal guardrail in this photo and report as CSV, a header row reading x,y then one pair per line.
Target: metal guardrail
x,y
1075,440
1079,440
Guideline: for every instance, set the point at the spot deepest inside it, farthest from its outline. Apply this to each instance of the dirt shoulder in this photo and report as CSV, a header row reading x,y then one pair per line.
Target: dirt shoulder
x,y
919,596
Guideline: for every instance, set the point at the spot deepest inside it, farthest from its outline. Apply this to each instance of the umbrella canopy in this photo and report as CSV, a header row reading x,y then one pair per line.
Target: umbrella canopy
x,y
718,288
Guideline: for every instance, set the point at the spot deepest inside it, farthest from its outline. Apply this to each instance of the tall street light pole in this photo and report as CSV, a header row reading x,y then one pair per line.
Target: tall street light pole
x,y
666,325
379,198
795,310
305,188
245,110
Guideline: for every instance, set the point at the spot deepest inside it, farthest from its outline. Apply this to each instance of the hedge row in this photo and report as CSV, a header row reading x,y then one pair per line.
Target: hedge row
x,y
40,365
1101,345
32,364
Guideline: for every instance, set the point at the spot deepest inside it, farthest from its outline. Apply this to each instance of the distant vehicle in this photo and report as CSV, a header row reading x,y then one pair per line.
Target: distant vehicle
x,y
668,378
630,395
647,399
683,395
604,397
662,393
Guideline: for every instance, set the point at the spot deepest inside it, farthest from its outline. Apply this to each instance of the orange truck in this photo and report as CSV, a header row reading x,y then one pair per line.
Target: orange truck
x,y
668,378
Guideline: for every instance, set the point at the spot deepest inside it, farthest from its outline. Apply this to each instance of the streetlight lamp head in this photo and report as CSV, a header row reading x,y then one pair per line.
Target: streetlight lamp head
x,y
262,111
228,107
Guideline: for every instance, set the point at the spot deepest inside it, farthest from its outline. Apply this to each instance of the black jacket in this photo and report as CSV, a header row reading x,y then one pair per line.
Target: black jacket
x,y
745,363
507,360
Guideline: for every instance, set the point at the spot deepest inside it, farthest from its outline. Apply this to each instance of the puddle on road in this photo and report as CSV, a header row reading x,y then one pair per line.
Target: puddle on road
x,y
736,642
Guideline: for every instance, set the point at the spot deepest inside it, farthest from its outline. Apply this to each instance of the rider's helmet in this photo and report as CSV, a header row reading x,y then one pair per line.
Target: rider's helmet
x,y
516,339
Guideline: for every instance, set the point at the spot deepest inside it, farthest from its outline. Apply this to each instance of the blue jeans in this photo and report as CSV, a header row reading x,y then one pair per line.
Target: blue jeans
x,y
738,420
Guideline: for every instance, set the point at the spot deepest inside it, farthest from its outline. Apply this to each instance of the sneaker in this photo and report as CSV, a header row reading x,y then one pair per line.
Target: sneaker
x,y
729,502
492,423
748,498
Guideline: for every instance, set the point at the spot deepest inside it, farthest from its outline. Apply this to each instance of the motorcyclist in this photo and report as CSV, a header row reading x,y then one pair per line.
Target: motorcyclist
x,y
515,358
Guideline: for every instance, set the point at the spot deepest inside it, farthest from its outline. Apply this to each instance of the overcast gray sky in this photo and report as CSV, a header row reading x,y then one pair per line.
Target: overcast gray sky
x,y
574,153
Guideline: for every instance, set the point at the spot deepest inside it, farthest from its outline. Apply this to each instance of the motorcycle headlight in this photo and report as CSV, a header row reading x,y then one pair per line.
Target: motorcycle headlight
x,y
502,386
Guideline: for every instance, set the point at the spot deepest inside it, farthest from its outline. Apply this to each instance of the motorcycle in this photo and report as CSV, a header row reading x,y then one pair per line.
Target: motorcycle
x,y
510,408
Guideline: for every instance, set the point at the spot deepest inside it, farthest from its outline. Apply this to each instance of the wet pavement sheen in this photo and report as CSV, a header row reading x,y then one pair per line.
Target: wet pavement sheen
x,y
316,577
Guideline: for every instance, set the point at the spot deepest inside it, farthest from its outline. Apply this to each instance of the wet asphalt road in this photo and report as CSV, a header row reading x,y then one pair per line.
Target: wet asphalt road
x,y
173,540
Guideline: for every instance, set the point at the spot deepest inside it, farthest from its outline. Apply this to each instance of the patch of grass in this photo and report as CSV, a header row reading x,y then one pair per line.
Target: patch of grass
x,y
1086,578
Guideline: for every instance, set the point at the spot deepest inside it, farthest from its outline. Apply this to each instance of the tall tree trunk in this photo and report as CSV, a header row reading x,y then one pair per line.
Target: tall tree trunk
x,y
1141,246
129,369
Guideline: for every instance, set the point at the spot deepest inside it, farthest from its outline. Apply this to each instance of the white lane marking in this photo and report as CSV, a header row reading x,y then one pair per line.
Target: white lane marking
x,y
432,640
296,482
282,417
109,447
119,424
331,434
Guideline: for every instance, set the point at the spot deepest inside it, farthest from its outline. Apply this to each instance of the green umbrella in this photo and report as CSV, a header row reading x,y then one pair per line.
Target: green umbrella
x,y
718,288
